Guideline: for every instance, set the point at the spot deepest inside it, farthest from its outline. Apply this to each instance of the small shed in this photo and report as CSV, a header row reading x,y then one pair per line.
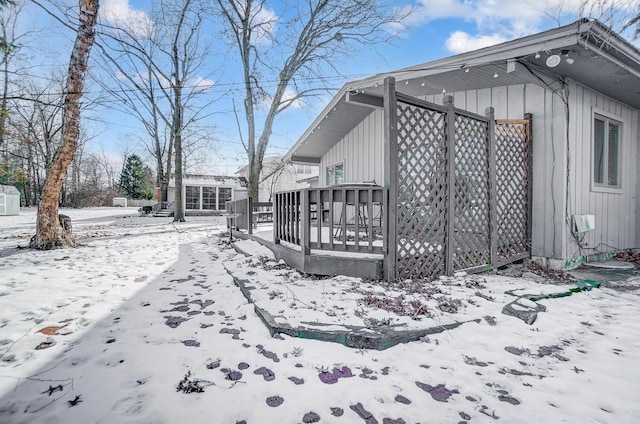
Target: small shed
x,y
9,200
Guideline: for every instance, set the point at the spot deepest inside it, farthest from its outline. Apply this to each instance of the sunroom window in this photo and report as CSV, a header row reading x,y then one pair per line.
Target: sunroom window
x,y
606,152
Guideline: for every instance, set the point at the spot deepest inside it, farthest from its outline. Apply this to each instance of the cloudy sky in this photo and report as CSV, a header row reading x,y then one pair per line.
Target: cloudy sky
x,y
433,29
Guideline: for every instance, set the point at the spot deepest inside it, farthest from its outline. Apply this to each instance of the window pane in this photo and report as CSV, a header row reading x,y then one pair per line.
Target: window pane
x,y
613,155
224,195
339,174
192,197
598,151
208,197
330,180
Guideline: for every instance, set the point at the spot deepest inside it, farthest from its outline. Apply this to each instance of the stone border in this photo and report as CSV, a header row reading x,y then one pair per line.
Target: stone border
x,y
354,337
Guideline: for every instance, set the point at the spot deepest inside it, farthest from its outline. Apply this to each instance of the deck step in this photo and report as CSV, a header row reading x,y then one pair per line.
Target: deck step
x,y
163,214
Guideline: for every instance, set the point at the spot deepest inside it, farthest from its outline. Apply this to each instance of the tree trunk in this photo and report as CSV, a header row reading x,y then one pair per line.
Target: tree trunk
x,y
178,205
51,233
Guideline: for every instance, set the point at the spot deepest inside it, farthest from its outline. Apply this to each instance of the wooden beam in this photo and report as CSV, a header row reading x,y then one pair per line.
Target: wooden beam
x,y
301,160
364,99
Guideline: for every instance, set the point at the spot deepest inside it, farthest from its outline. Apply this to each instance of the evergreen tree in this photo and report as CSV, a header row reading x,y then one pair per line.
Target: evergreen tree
x,y
136,179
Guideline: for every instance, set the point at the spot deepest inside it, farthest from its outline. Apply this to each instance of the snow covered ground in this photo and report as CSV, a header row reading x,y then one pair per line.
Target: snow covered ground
x,y
143,324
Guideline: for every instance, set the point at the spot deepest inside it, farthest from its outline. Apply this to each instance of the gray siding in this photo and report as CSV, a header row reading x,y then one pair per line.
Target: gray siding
x,y
615,212
617,226
361,151
553,205
549,152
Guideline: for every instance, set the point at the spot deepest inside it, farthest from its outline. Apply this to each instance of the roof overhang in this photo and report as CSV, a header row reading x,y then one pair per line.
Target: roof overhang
x,y
590,54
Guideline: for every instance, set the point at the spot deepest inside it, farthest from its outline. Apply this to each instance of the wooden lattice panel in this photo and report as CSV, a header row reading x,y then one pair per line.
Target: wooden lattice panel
x,y
512,173
472,220
422,193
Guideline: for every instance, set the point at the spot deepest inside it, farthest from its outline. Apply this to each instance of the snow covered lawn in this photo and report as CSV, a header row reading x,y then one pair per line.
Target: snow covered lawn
x,y
144,324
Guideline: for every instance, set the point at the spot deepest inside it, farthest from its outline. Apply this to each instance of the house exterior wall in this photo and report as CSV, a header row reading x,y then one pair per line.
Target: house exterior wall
x,y
283,178
553,204
616,220
277,177
236,193
361,151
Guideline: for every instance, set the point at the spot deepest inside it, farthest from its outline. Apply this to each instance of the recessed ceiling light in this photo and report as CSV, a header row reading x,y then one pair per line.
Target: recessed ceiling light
x,y
553,61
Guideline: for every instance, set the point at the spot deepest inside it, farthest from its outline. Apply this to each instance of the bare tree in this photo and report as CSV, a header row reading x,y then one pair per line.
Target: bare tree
x,y
52,231
619,15
311,36
157,68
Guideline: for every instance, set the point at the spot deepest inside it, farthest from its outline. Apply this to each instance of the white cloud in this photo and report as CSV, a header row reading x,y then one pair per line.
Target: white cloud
x,y
501,20
264,21
202,83
289,94
460,42
119,13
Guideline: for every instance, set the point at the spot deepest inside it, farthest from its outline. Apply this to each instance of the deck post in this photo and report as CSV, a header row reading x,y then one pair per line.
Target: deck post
x,y
390,221
493,190
305,223
450,144
277,200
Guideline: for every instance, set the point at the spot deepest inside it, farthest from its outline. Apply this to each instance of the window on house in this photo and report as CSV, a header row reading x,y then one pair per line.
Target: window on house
x,y
208,197
192,197
606,152
335,174
224,195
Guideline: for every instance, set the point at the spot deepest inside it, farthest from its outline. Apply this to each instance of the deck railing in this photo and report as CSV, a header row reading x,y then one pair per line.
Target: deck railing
x,y
248,211
348,218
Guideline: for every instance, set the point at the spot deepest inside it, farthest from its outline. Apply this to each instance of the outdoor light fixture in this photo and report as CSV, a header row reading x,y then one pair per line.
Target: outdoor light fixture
x,y
495,75
422,85
466,69
553,61
537,56
444,91
567,59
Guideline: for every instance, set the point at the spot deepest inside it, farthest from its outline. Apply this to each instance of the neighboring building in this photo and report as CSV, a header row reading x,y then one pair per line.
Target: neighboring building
x,y
280,176
572,91
208,193
9,200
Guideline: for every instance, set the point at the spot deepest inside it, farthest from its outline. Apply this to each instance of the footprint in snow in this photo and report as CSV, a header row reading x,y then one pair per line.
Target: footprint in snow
x,y
266,373
274,401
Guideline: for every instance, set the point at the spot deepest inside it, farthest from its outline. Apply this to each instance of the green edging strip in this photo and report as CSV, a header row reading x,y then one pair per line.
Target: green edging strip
x,y
358,338
583,285
529,314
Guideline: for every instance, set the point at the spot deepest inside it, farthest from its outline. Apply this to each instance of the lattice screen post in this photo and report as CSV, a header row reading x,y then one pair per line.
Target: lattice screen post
x,y
493,192
390,221
450,145
529,118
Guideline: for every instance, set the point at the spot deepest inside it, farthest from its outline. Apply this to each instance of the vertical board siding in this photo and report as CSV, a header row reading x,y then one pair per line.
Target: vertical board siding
x,y
361,151
615,213
534,104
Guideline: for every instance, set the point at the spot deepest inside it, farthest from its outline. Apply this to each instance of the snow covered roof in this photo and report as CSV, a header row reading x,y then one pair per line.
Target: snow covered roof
x,y
212,180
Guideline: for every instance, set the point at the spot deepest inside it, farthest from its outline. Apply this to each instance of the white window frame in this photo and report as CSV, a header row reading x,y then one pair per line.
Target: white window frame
x,y
608,119
333,166
199,197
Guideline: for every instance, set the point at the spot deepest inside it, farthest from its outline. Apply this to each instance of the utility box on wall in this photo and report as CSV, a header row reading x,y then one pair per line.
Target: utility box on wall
x,y
584,223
